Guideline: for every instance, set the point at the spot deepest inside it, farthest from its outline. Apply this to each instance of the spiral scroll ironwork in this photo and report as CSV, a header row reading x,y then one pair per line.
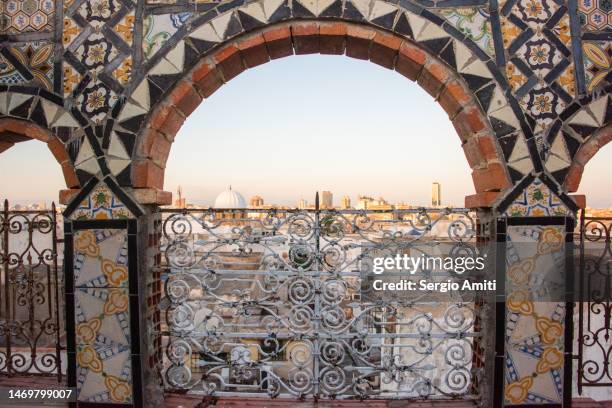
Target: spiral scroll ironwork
x,y
30,293
270,303
595,306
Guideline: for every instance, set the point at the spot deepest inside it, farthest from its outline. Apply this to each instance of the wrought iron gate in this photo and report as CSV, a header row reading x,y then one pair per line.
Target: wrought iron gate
x,y
274,302
30,293
595,306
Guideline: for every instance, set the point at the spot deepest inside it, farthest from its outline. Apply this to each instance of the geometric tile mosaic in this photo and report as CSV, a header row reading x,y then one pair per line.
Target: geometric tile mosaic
x,y
22,16
595,15
597,63
100,258
101,204
537,201
534,329
475,23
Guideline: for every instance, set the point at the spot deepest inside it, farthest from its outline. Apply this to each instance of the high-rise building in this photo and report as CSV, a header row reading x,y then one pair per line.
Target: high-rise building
x,y
256,201
327,199
346,202
436,194
180,202
302,204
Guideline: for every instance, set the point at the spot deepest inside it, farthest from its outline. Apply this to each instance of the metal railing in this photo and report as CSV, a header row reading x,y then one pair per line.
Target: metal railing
x,y
275,302
30,293
595,306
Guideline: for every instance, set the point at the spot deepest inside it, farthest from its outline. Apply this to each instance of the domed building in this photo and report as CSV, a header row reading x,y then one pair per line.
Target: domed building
x,y
230,199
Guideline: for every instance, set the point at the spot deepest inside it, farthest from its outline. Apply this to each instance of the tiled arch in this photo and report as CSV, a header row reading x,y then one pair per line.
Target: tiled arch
x,y
17,130
284,39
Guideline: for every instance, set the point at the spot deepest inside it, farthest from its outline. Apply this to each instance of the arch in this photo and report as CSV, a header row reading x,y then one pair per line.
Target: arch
x,y
16,130
598,140
389,50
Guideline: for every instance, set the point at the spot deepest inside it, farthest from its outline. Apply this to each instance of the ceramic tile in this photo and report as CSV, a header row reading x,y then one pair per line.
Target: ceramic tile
x,y
534,329
102,317
595,15
474,23
104,374
535,201
597,62
101,204
100,258
22,16
98,12
158,29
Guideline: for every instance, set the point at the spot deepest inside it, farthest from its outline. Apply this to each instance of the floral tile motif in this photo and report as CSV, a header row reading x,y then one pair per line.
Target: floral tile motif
x,y
123,73
22,16
475,23
98,12
70,32
597,63
543,105
104,374
534,329
72,78
100,258
595,15
101,204
539,69
158,29
536,201
125,27
96,52
97,100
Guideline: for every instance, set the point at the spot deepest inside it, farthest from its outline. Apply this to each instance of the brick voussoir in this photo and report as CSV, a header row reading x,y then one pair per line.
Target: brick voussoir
x,y
305,38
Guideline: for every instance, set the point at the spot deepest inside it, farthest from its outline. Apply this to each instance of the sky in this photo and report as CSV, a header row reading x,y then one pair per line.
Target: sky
x,y
298,125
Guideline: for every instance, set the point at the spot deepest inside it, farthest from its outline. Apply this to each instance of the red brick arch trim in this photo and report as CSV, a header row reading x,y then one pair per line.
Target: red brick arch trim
x,y
598,140
10,127
309,37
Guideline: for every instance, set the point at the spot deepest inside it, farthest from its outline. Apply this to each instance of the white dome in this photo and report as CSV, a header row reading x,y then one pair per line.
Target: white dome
x,y
230,199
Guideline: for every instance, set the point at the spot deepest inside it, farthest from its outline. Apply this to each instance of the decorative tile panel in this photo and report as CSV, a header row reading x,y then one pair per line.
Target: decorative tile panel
x,y
536,201
475,23
158,29
595,15
21,16
534,329
597,63
101,204
103,351
100,258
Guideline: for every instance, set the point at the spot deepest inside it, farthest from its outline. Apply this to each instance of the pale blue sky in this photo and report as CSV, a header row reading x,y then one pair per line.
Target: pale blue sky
x,y
288,128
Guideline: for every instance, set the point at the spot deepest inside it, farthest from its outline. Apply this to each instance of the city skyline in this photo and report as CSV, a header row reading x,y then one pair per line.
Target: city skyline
x,y
342,144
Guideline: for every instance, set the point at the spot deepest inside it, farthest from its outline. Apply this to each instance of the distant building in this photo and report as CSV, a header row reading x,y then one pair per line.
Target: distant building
x,y
436,194
256,201
346,202
369,203
327,199
180,202
302,204
230,199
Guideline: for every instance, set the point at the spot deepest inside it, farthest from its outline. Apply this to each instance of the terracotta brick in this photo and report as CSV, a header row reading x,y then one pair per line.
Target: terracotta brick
x,y
453,98
159,116
572,181
209,83
5,146
172,124
38,133
384,49
152,196
305,38
65,196
481,200
202,69
253,50
473,154
491,178
70,177
579,199
433,77
410,61
468,122
189,102
332,38
487,147
587,151
58,150
146,174
229,62
278,42
358,40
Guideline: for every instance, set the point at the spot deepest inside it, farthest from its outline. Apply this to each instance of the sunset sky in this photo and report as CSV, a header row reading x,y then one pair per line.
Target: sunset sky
x,y
294,126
